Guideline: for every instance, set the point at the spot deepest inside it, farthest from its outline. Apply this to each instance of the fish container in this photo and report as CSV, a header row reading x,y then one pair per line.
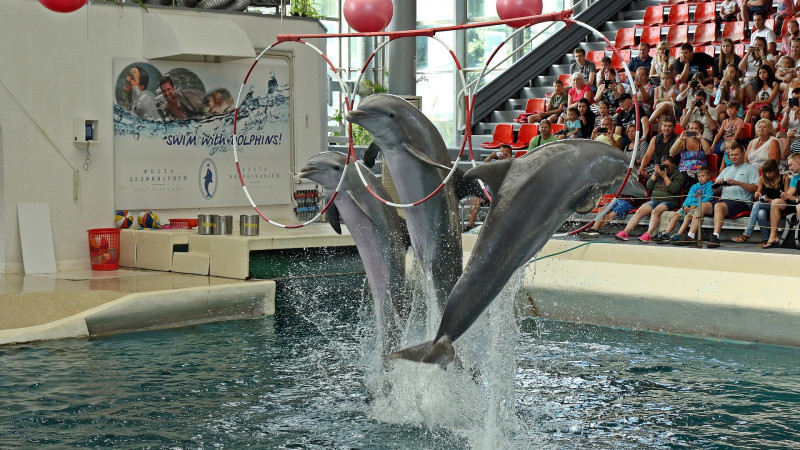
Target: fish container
x,y
206,224
224,225
248,224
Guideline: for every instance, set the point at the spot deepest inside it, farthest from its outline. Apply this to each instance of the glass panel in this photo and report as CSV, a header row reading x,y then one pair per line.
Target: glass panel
x,y
432,55
327,8
428,11
481,42
437,94
481,9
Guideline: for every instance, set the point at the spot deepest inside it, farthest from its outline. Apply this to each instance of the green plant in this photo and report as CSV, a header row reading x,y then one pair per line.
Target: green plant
x,y
304,8
360,135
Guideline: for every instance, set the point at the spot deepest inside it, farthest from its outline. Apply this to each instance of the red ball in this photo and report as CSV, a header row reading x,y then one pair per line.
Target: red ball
x,y
368,16
509,9
63,6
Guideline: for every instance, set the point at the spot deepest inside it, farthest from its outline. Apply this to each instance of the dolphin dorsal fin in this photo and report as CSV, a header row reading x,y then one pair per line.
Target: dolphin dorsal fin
x,y
416,153
589,201
492,173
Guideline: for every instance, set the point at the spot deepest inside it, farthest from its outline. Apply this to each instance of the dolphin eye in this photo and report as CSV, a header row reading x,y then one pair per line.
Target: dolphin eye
x,y
391,115
337,168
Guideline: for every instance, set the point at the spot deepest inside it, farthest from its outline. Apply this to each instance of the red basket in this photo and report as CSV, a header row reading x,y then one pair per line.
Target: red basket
x,y
104,248
183,223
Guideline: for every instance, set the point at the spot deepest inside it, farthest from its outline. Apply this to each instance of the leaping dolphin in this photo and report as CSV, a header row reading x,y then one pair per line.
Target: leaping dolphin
x,y
378,232
418,160
534,195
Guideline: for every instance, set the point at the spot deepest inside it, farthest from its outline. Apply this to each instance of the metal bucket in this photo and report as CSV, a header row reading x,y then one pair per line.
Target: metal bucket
x,y
248,224
224,225
206,223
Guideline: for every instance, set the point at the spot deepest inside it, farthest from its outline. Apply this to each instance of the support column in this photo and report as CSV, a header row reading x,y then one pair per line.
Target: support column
x,y
403,52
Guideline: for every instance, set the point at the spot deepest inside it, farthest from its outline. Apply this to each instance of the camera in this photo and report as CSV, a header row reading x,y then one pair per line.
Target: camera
x,y
698,103
794,102
720,184
606,83
662,166
691,133
666,52
602,130
655,81
694,84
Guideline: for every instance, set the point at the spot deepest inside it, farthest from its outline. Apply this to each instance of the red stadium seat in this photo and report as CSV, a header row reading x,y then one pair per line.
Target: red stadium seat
x,y
705,12
734,31
534,105
566,78
556,127
653,16
678,14
675,52
704,34
747,132
709,50
712,162
503,134
527,131
739,50
619,64
520,153
679,34
651,35
626,38
595,56
673,2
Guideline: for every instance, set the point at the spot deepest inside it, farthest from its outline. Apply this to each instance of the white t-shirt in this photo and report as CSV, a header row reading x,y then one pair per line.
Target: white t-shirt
x,y
766,33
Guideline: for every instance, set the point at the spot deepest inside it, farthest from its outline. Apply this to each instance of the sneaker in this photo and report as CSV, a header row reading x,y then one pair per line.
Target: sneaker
x,y
662,238
713,242
680,239
621,236
589,234
645,237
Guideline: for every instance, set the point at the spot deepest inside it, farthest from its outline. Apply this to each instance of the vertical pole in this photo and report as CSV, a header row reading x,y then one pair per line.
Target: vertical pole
x,y
403,52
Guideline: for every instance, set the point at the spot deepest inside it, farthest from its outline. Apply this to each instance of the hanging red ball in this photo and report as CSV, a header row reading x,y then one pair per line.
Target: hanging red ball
x,y
368,16
63,6
509,9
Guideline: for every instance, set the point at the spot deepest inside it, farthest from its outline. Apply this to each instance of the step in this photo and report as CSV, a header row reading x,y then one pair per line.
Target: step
x,y
503,116
558,69
535,92
191,262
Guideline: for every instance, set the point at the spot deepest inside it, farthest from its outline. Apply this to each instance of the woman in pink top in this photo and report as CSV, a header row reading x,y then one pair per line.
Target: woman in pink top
x,y
579,90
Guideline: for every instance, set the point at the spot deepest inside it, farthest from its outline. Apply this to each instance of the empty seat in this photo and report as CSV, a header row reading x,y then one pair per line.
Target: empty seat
x,y
651,35
678,14
535,105
709,50
733,31
527,131
626,38
712,162
595,56
705,34
653,16
556,127
566,78
679,34
619,64
503,134
705,12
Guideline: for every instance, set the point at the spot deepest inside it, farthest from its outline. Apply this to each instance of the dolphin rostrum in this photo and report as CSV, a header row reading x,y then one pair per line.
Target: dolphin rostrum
x,y
534,195
418,160
379,234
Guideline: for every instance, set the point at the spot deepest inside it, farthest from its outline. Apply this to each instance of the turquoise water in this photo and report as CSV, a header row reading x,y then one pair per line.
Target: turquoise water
x,y
298,381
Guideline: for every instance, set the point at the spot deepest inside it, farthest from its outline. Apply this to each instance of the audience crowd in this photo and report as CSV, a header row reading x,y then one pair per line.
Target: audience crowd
x,y
729,121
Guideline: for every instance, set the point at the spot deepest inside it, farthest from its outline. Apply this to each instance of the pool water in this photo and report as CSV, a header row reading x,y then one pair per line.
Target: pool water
x,y
299,381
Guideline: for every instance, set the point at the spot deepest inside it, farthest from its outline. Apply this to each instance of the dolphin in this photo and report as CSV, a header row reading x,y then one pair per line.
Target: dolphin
x,y
534,195
378,232
418,161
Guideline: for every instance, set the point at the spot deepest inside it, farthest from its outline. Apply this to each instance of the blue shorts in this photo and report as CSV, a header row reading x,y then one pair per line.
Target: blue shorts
x,y
621,208
654,203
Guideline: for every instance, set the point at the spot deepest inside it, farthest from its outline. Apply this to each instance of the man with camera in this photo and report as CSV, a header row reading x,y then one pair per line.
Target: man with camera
x,y
627,116
761,30
698,110
665,192
689,63
738,182
605,133
659,145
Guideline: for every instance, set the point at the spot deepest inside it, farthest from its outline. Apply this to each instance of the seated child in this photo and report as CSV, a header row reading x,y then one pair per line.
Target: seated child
x,y
731,129
700,192
572,127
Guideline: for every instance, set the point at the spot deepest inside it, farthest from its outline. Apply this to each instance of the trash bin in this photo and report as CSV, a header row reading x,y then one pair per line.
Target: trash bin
x,y
104,248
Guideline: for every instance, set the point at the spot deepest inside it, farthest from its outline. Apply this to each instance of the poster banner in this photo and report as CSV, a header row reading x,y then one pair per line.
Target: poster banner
x,y
173,134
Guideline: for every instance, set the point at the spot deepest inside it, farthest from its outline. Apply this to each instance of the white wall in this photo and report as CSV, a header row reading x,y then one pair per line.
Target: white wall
x,y
58,67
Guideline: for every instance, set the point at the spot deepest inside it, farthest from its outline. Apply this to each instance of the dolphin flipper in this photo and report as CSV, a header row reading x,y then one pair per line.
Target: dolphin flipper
x,y
334,218
492,174
371,154
440,352
423,157
589,201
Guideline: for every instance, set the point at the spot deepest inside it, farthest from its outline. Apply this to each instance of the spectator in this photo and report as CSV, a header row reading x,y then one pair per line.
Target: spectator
x,y
764,91
643,59
791,113
619,210
602,112
792,85
689,63
504,152
544,136
764,147
659,146
627,116
663,61
794,50
755,58
770,186
785,71
731,129
792,33
729,89
628,142
699,111
789,197
698,83
605,63
572,126
751,7
579,90
725,58
739,181
581,65
605,134
609,90
586,118
470,189
761,30
786,8
664,98
665,187
555,105
644,89
692,148
700,193
728,12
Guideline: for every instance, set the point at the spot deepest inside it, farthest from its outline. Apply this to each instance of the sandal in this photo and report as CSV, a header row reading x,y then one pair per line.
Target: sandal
x,y
741,239
762,243
775,244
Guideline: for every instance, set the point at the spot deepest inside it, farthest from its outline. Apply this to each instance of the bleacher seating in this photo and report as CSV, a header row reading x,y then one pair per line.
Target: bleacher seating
x,y
503,134
595,56
733,31
527,131
704,34
678,35
619,64
705,12
678,14
653,16
626,38
651,35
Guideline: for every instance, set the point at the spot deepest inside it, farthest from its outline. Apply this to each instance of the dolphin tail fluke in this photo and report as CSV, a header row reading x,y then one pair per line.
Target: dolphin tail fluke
x,y
440,352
